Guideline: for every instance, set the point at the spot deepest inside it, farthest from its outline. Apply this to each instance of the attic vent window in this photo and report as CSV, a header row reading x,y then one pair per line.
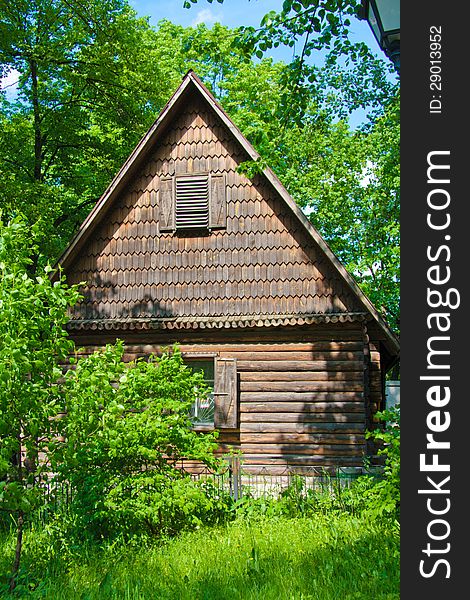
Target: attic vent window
x,y
192,201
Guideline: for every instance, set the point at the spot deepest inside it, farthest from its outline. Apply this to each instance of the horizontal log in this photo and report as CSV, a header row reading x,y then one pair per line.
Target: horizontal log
x,y
224,449
300,408
301,365
300,396
298,356
309,439
302,428
301,459
301,418
312,450
319,332
272,346
302,376
228,438
300,386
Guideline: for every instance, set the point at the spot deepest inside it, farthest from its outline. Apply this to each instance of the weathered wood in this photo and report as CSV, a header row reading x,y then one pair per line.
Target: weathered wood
x,y
225,393
300,386
312,450
296,356
305,397
320,411
217,201
276,346
300,365
300,429
229,437
294,334
166,205
303,439
301,376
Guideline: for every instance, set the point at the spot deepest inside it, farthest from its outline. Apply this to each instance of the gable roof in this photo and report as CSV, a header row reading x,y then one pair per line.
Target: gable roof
x,y
190,86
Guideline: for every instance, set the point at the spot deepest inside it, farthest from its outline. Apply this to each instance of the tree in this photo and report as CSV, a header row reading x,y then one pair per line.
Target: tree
x,y
91,79
348,182
126,429
341,75
33,342
88,87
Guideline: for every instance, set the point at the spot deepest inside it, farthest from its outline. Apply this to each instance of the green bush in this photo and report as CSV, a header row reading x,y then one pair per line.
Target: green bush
x,y
383,498
33,341
330,497
126,430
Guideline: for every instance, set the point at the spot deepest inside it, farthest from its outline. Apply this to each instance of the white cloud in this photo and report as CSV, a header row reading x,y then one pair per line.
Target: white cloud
x,y
206,16
368,175
9,80
9,83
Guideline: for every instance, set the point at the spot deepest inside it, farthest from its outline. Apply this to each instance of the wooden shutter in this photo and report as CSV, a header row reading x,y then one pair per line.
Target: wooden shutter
x,y
217,202
225,393
166,213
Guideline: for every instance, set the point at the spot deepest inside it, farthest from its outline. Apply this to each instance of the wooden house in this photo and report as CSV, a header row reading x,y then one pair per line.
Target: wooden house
x,y
183,248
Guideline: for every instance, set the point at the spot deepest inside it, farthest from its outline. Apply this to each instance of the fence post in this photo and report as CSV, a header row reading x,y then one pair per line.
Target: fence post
x,y
235,477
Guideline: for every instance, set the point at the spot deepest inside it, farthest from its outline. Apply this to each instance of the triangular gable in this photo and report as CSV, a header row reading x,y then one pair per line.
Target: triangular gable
x,y
315,287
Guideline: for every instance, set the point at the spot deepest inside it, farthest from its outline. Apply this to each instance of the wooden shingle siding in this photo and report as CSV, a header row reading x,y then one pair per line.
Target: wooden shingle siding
x,y
261,263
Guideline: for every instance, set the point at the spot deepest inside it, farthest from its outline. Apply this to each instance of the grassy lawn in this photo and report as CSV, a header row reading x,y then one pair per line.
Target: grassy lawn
x,y
317,558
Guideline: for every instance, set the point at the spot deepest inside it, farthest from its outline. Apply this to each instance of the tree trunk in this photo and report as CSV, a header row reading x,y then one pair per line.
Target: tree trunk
x,y
20,522
19,546
38,141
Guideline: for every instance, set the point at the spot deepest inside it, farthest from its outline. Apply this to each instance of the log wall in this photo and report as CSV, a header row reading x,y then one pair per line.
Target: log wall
x,y
305,395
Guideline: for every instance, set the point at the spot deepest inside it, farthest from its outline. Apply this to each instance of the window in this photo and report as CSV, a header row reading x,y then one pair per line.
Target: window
x,y
202,411
220,408
192,201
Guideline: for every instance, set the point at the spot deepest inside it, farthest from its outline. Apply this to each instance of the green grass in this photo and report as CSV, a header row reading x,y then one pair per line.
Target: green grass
x,y
317,558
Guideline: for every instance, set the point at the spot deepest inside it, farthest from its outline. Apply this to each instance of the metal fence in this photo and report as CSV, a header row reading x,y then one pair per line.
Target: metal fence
x,y
239,482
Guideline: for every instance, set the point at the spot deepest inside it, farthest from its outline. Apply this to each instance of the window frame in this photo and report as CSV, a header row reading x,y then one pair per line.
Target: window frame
x,y
189,359
226,388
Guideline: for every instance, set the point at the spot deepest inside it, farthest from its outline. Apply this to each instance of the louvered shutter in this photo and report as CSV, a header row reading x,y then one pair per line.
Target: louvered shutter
x,y
192,201
225,393
218,202
166,213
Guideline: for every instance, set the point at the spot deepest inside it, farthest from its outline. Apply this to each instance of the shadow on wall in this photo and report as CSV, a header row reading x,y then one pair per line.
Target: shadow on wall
x,y
328,429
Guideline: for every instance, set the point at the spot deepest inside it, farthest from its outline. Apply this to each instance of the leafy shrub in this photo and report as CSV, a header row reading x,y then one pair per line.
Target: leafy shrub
x,y
126,429
33,341
383,498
